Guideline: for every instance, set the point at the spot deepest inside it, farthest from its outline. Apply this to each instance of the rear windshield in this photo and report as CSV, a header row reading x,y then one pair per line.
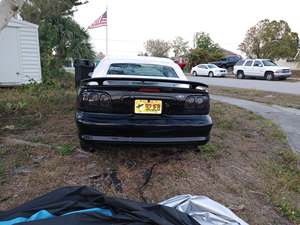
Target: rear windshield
x,y
137,69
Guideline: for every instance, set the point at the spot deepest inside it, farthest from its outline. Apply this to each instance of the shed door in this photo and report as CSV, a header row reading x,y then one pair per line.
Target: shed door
x,y
9,57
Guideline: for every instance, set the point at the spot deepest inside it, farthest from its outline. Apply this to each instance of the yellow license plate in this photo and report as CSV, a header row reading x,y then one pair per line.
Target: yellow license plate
x,y
147,106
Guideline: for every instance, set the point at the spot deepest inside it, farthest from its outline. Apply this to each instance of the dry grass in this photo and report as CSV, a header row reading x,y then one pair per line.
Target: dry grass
x,y
285,100
247,165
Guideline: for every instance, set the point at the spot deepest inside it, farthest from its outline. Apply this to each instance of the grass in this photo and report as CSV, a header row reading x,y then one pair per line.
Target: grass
x,y
29,105
246,154
66,150
287,173
285,100
288,211
208,150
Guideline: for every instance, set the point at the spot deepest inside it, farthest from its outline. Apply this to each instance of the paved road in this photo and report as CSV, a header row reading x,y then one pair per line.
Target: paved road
x,y
262,85
287,118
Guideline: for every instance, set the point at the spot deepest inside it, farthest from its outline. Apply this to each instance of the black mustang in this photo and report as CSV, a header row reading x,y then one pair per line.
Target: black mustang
x,y
141,110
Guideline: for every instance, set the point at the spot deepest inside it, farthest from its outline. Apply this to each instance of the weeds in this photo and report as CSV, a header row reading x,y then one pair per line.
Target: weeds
x,y
285,173
20,105
289,211
275,131
208,150
66,150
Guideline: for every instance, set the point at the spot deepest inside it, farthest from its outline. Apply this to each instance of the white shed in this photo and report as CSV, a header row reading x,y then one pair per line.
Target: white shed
x,y
20,61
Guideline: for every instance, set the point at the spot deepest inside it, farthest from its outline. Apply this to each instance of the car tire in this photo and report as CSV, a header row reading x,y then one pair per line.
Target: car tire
x,y
195,73
269,76
86,146
211,74
240,75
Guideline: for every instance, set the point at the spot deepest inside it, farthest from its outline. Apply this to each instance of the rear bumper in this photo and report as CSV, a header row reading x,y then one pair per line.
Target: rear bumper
x,y
133,129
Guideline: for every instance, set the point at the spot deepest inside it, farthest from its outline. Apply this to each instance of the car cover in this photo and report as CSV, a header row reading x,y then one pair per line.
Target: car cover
x,y
86,206
204,210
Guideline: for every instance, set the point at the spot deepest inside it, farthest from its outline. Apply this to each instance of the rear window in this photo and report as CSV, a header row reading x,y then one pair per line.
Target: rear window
x,y
240,63
137,69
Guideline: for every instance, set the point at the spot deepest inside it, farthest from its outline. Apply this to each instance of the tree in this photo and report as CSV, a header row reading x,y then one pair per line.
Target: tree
x,y
37,10
198,55
202,40
205,50
60,36
180,47
157,47
270,39
8,8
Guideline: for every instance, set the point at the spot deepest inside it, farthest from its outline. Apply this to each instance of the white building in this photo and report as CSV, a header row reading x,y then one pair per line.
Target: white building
x,y
294,65
19,54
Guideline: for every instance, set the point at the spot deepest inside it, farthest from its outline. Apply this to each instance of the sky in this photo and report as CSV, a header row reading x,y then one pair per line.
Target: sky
x,y
132,22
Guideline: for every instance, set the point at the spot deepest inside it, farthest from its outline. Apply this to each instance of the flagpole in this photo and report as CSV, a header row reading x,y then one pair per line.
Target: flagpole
x,y
107,31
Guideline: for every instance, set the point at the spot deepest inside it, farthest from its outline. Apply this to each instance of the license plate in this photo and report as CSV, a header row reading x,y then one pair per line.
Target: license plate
x,y
147,106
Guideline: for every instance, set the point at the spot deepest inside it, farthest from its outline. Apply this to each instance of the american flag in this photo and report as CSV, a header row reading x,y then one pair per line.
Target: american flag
x,y
100,22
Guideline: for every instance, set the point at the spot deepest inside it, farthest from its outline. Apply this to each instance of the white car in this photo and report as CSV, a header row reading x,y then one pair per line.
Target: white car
x,y
210,70
261,68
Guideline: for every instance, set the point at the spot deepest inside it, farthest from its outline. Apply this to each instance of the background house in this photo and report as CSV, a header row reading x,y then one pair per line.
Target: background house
x,y
19,54
293,64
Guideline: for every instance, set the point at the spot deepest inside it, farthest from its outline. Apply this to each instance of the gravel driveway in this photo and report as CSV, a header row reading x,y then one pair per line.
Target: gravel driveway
x,y
262,85
287,118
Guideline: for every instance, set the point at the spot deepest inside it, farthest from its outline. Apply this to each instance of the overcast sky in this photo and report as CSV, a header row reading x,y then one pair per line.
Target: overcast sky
x,y
132,22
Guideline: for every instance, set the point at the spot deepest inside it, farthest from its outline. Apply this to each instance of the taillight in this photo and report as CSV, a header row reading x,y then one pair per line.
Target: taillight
x,y
95,101
196,102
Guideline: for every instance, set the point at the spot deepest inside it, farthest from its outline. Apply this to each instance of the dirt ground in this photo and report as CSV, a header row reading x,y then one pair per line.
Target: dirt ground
x,y
247,166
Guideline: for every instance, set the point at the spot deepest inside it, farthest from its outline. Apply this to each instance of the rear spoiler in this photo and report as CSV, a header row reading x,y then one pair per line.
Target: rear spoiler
x,y
100,81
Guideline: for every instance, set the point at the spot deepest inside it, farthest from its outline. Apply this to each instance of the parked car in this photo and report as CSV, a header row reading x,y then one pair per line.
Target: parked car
x,y
144,100
227,62
261,68
210,70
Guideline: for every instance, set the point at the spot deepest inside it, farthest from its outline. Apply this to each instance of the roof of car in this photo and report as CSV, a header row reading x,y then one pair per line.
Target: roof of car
x,y
103,66
140,59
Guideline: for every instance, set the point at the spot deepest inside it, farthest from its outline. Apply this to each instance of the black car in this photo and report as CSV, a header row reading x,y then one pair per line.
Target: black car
x,y
142,110
227,62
